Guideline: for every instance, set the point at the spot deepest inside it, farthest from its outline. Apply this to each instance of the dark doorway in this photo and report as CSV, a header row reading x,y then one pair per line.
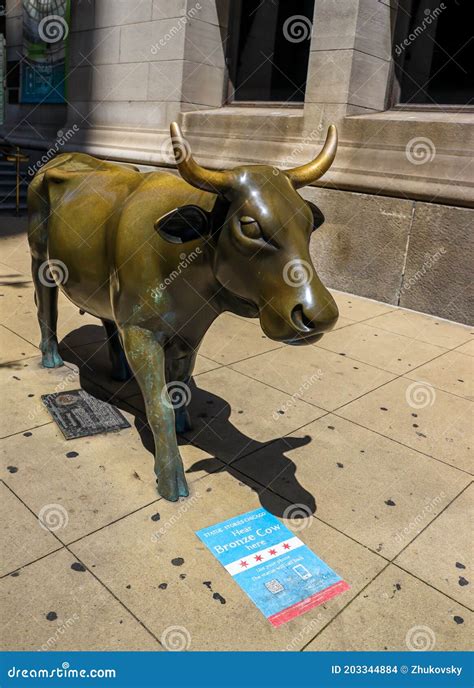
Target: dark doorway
x,y
269,44
434,52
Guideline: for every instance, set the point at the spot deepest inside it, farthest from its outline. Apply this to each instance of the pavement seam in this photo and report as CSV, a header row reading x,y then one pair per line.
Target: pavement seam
x,y
20,432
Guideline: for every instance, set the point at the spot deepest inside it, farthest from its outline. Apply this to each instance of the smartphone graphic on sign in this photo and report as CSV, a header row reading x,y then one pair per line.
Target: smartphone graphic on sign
x,y
302,571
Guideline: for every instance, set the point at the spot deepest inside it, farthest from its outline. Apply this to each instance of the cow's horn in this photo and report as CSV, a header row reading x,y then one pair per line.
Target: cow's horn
x,y
301,176
215,181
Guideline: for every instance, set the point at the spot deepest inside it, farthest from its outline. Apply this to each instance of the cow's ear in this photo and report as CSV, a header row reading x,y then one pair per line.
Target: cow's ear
x,y
187,223
318,217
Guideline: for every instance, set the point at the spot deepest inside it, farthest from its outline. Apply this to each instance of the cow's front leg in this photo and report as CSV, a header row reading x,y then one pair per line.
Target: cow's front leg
x,y
147,361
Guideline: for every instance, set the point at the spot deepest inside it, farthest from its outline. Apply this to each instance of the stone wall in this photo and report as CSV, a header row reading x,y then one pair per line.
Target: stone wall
x,y
134,66
407,253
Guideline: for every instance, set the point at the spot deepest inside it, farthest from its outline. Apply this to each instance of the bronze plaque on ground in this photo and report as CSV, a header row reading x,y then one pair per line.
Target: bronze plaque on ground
x,y
78,414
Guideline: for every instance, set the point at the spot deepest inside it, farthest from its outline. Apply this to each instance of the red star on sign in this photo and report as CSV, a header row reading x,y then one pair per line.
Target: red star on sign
x,y
243,563
272,551
286,545
258,557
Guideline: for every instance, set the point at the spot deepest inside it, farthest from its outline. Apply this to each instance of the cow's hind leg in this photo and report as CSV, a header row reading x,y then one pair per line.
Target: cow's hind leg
x,y
120,368
147,361
178,376
46,297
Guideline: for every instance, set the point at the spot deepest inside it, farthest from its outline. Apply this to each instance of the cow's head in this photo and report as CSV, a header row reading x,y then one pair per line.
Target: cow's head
x,y
261,240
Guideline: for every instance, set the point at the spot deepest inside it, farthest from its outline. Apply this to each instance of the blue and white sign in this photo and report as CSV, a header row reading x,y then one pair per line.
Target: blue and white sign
x,y
279,573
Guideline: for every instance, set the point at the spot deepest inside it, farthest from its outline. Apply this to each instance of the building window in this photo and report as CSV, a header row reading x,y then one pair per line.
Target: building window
x,y
13,81
434,52
268,54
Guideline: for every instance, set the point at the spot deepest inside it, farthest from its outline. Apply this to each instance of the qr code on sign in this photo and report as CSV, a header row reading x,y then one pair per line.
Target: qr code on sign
x,y
274,586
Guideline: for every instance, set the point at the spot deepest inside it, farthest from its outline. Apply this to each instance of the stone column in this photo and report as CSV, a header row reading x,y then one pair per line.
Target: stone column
x,y
203,77
349,60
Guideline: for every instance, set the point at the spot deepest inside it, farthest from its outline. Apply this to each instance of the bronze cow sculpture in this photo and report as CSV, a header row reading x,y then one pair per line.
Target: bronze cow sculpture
x,y
120,234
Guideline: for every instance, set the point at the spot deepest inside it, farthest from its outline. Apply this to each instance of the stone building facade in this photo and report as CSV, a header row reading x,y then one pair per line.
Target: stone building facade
x,y
398,199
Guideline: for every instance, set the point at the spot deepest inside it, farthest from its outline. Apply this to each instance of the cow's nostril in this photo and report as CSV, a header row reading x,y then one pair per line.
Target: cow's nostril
x,y
306,326
300,320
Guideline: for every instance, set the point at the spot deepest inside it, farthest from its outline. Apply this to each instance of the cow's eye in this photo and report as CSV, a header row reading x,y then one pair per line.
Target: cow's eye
x,y
250,227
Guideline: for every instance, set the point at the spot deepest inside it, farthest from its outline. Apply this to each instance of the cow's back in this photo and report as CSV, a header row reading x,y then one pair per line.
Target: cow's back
x,y
74,204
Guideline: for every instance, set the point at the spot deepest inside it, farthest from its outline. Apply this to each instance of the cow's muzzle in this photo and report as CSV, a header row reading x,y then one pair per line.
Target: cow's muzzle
x,y
308,328
303,322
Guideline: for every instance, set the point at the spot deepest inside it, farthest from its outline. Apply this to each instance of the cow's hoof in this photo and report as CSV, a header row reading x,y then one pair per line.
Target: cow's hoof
x,y
51,357
172,484
182,420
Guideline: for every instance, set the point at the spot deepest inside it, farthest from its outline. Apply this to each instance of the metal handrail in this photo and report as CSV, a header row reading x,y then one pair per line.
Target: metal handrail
x,y
14,154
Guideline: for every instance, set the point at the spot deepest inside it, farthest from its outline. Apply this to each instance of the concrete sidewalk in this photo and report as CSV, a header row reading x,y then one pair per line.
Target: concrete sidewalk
x,y
369,430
